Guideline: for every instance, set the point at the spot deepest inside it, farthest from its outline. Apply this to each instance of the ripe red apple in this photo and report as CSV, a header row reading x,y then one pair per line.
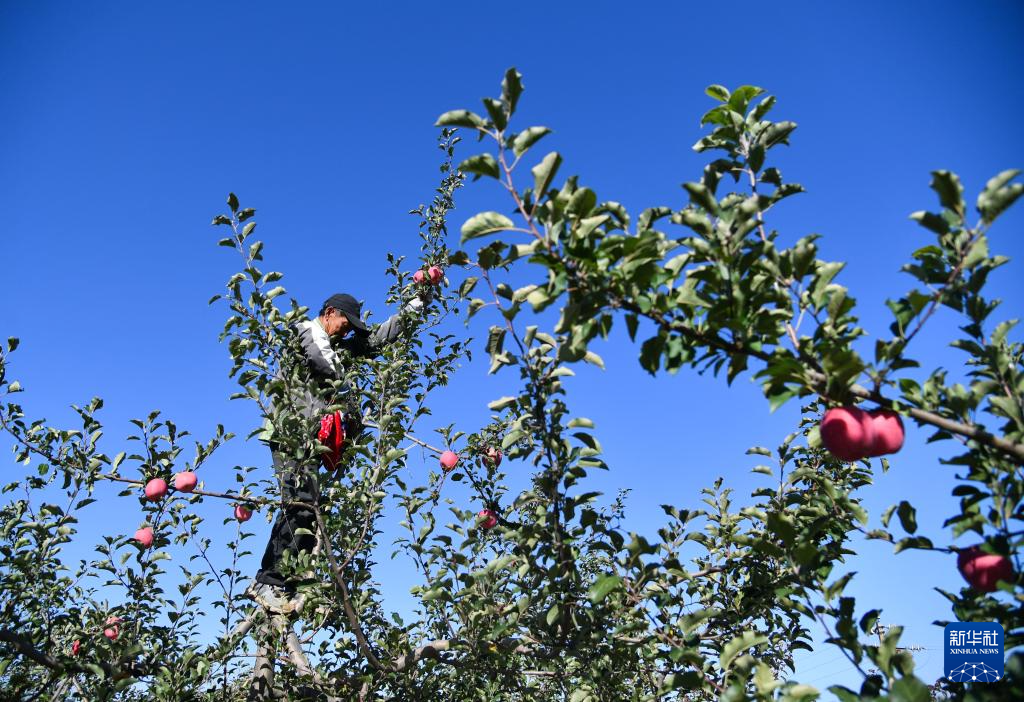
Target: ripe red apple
x,y
113,630
847,432
418,277
185,481
76,647
448,460
144,536
488,518
887,430
983,570
493,456
242,513
436,275
156,489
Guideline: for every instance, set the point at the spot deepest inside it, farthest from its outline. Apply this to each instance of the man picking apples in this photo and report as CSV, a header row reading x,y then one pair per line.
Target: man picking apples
x,y
320,340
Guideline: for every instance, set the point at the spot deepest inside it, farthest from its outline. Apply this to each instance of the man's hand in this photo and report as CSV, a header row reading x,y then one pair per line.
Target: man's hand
x,y
417,303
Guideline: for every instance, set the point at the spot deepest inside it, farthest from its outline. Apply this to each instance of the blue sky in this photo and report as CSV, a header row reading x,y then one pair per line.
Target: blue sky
x,y
123,126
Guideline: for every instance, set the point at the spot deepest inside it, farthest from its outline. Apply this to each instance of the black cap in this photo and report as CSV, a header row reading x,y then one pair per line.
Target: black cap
x,y
350,307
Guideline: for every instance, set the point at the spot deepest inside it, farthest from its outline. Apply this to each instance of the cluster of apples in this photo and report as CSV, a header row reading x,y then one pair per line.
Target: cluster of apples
x,y
850,433
983,570
449,459
111,629
434,274
488,518
156,490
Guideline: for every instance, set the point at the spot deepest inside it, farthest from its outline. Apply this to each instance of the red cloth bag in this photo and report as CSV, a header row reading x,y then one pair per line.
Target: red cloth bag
x,y
332,435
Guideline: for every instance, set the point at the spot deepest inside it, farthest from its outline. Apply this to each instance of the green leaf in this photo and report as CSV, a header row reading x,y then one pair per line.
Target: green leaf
x,y
930,220
995,198
747,639
12,343
481,165
553,614
512,88
718,92
604,587
496,111
581,422
502,403
650,353
544,173
778,133
908,516
233,202
701,196
485,223
460,118
909,690
527,138
950,191
740,98
393,455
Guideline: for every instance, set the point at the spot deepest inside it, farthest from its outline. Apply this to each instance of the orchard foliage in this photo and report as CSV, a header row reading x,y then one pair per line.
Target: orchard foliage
x,y
556,601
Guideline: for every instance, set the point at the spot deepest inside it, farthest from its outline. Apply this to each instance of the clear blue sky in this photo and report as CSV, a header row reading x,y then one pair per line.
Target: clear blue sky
x,y
124,125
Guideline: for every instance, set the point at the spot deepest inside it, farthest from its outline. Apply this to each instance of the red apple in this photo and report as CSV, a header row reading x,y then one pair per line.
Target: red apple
x,y
436,275
887,427
242,513
76,647
847,432
493,456
488,518
983,570
448,460
156,489
144,536
113,630
185,481
418,277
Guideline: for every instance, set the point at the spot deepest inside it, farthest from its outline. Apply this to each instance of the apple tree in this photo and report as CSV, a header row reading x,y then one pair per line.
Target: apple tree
x,y
535,590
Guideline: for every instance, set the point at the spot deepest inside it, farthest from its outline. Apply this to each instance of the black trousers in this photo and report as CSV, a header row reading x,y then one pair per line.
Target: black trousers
x,y
298,484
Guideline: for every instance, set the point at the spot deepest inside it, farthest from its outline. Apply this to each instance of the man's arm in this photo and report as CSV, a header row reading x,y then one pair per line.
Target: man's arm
x,y
317,348
385,333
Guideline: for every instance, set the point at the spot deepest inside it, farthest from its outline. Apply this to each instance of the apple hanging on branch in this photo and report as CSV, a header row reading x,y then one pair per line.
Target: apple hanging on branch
x,y
488,518
448,460
850,433
185,481
242,513
113,629
983,570
493,456
156,489
144,537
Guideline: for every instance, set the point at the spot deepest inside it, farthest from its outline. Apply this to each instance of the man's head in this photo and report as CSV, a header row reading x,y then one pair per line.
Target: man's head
x,y
340,314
